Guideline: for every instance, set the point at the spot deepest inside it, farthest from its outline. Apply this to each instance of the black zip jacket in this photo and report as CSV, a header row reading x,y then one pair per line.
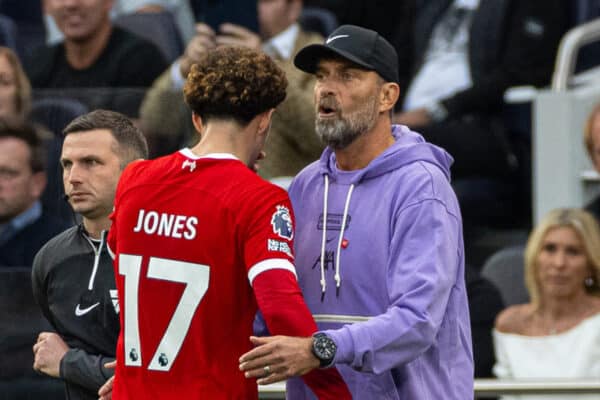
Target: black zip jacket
x,y
511,43
73,282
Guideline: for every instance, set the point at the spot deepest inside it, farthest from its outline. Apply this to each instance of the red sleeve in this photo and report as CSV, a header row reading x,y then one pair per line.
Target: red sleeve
x,y
268,223
269,257
280,301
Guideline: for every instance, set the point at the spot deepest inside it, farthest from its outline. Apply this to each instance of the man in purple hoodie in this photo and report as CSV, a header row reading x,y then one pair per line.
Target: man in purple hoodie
x,y
379,247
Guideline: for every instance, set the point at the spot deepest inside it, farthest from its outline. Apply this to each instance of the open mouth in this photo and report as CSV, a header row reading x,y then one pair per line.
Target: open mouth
x,y
327,111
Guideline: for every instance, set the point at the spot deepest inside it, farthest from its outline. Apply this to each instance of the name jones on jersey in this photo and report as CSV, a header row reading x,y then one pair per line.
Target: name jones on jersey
x,y
163,224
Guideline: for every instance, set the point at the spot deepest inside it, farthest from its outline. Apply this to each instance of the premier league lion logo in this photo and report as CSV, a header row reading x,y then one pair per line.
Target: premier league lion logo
x,y
282,223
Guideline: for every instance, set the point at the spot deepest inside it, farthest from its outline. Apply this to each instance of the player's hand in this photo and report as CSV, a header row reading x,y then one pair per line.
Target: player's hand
x,y
203,41
236,35
48,351
105,391
278,358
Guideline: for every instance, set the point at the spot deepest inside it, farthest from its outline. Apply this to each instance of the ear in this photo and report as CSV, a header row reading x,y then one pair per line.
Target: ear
x,y
264,122
197,121
390,92
38,184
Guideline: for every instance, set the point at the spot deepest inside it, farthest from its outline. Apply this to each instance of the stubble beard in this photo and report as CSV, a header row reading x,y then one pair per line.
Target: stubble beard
x,y
338,133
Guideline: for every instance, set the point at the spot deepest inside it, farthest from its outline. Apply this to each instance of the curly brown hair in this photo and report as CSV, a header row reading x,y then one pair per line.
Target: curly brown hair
x,y
234,83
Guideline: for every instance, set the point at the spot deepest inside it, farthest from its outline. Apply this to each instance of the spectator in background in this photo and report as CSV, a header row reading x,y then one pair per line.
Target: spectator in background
x,y
24,226
15,89
466,54
94,53
557,334
292,143
73,278
181,10
393,20
591,139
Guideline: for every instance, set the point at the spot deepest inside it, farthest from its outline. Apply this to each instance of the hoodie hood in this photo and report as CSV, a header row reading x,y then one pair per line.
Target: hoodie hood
x,y
408,148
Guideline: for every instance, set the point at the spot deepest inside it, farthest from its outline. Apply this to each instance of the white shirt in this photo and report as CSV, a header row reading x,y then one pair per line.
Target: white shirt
x,y
571,354
445,69
282,44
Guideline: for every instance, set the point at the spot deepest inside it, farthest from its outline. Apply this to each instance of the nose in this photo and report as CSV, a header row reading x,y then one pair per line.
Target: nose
x,y
559,259
324,88
73,175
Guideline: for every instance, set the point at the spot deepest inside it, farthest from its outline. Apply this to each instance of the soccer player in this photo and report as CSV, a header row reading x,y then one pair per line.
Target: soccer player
x,y
200,241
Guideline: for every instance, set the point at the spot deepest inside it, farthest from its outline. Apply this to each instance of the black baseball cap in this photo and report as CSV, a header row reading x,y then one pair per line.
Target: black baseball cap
x,y
361,46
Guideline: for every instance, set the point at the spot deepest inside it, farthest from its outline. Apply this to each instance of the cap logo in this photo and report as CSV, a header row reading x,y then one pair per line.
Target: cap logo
x,y
331,39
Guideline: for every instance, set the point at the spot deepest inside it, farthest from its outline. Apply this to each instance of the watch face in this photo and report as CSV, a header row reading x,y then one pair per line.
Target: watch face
x,y
324,348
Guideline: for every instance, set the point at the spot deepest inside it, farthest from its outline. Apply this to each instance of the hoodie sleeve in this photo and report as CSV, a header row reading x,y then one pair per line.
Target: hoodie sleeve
x,y
421,278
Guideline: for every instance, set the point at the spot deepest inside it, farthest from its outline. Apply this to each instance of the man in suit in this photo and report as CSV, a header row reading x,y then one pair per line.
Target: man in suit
x,y
292,143
24,226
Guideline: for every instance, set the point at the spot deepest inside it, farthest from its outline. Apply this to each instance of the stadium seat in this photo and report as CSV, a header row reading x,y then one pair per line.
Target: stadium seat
x,y
54,114
157,27
27,16
20,324
126,100
8,32
320,20
505,269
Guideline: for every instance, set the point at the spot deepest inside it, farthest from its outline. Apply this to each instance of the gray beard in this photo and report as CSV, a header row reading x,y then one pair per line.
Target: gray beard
x,y
339,133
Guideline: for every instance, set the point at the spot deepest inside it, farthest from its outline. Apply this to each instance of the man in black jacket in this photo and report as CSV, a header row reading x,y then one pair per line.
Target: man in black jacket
x,y
466,54
73,277
94,53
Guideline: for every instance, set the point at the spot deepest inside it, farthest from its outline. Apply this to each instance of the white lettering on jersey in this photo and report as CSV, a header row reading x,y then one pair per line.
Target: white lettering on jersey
x,y
164,224
189,164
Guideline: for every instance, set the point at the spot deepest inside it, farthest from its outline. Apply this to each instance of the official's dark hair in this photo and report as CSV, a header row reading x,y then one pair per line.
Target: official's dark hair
x,y
234,83
16,128
131,141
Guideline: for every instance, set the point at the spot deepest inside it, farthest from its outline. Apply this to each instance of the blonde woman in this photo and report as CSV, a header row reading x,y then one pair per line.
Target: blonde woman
x,y
15,90
557,334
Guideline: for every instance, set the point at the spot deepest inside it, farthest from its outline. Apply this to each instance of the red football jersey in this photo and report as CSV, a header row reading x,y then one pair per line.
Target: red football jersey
x,y
189,236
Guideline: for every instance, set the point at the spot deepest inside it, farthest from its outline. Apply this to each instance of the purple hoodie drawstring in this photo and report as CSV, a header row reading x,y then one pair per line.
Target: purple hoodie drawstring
x,y
337,276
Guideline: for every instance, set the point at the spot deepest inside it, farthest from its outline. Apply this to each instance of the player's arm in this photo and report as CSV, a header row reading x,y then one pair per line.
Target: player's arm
x,y
280,301
269,255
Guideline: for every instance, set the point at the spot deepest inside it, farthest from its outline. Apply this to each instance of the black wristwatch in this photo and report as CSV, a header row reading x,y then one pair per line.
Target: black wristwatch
x,y
324,348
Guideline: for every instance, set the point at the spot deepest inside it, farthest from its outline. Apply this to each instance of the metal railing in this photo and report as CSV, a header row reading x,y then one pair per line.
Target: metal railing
x,y
569,47
485,388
